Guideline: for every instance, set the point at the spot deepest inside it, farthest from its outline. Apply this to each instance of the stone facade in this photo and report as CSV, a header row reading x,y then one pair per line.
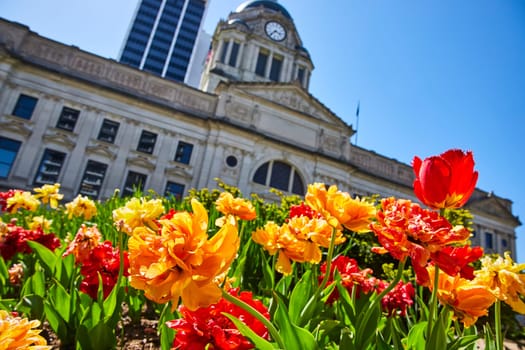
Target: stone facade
x,y
133,125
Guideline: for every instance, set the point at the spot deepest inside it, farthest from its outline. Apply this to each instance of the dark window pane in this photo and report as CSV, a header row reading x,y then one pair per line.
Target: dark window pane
x,y
147,142
93,179
134,181
280,176
50,167
183,154
174,189
233,55
108,131
8,151
224,51
300,75
275,70
25,106
68,119
489,244
261,174
297,185
260,68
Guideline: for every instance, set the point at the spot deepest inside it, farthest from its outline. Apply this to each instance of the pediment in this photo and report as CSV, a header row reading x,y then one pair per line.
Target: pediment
x,y
17,125
492,206
290,96
60,138
102,149
140,161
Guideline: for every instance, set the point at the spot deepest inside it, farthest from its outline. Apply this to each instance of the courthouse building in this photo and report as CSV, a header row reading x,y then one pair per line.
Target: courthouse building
x,y
95,125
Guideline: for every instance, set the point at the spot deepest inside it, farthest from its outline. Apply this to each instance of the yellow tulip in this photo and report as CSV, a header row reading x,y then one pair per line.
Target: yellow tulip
x,y
136,213
502,276
49,194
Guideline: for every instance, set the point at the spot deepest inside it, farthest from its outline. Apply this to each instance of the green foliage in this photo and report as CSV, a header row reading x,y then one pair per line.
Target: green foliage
x,y
301,317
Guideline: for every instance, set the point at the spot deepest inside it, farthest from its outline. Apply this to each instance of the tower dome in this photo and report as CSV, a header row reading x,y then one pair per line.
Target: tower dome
x,y
269,4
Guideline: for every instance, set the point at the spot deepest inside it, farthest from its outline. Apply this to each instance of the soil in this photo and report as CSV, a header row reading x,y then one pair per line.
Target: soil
x,y
130,336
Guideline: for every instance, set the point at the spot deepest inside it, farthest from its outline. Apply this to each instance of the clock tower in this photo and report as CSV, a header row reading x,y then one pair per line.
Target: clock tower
x,y
258,42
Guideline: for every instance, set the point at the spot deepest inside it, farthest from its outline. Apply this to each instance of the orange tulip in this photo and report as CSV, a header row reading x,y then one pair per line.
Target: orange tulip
x,y
445,181
20,333
238,207
338,208
468,299
179,261
298,240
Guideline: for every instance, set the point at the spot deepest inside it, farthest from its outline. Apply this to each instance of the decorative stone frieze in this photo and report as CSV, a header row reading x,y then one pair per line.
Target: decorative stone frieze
x,y
16,125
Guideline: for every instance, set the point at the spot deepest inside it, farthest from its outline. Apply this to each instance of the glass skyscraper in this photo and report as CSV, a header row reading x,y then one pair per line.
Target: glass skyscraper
x,y
163,36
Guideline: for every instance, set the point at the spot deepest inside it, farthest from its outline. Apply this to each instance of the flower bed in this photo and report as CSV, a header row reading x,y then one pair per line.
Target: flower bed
x,y
219,271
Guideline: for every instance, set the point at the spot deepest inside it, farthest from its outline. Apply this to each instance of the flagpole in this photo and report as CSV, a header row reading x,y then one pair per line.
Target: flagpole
x,y
357,120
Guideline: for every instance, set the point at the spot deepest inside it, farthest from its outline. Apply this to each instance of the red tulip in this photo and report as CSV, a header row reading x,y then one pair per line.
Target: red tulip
x,y
445,181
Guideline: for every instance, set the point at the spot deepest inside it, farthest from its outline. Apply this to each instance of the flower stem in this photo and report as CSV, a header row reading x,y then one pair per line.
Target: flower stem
x,y
497,325
329,257
433,302
315,297
393,284
271,328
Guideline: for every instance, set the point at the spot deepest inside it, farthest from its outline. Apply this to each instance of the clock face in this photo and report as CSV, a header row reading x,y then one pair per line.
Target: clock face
x,y
275,31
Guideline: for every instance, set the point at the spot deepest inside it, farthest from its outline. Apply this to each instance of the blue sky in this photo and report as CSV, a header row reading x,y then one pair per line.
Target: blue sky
x,y
429,75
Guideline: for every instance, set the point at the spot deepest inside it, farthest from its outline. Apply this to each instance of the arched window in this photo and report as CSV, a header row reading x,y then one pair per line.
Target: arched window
x,y
279,175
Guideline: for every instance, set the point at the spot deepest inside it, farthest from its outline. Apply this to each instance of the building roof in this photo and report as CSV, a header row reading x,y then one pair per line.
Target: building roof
x,y
269,4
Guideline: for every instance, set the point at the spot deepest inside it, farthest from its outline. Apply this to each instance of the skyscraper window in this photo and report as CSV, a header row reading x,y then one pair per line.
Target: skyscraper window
x,y
162,37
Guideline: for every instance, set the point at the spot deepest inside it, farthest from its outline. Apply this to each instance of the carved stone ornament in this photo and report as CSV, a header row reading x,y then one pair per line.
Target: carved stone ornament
x,y
140,161
176,170
102,149
16,125
59,137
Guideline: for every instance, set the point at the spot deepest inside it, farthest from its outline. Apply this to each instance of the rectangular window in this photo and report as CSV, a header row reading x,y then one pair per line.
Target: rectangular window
x,y
147,142
134,182
224,51
25,105
183,154
262,59
68,119
8,151
233,54
300,75
275,70
489,241
174,189
108,131
50,167
93,179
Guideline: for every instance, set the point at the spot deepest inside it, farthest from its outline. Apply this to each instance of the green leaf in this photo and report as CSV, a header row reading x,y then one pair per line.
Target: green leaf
x,y
416,337
259,342
61,301
294,337
64,270
346,340
167,334
31,305
4,273
490,340
302,300
463,342
58,325
438,334
100,337
110,304
46,256
38,282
